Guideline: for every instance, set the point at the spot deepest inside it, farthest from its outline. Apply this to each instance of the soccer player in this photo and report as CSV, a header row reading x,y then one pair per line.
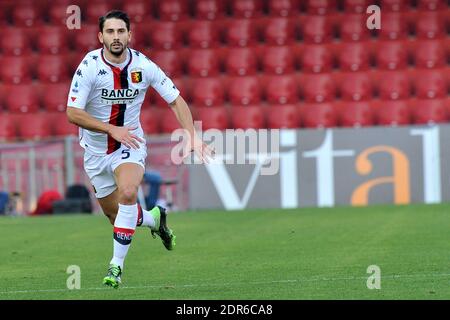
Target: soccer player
x,y
105,100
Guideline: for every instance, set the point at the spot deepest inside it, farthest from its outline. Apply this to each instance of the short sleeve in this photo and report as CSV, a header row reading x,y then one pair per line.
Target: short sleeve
x,y
161,83
81,86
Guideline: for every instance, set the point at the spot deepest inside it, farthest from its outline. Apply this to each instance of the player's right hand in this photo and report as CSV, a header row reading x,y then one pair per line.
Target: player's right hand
x,y
124,136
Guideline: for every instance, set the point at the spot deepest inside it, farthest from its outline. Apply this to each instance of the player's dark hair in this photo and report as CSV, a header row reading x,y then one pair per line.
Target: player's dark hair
x,y
114,14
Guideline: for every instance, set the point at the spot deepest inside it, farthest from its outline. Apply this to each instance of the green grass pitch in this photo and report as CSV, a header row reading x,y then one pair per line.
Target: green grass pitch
x,y
252,254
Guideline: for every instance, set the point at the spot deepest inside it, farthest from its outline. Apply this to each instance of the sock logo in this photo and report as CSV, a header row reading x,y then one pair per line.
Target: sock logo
x,y
123,236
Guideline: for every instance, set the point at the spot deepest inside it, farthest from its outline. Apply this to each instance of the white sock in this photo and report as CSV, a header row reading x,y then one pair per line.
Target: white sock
x,y
148,218
124,228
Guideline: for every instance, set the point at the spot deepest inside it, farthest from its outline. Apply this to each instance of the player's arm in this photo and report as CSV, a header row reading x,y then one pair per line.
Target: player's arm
x,y
83,119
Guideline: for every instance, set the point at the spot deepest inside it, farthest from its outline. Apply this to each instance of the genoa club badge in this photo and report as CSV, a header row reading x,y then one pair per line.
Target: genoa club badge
x,y
136,76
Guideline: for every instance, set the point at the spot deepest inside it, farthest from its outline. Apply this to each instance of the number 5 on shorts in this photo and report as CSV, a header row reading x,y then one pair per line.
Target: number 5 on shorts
x,y
125,154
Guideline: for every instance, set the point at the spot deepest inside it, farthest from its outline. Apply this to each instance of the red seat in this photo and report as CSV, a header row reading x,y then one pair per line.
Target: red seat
x,y
394,5
208,92
86,38
57,13
52,40
354,56
244,90
209,9
282,90
430,84
7,128
138,11
394,26
278,60
203,63
429,111
241,62
320,6
316,58
429,25
391,55
173,10
283,8
95,9
316,29
241,33
22,98
54,96
15,70
279,31
40,129
393,85
356,114
168,60
246,8
392,113
150,120
356,6
431,5
354,86
213,118
203,34
283,116
319,115
26,15
15,41
169,122
166,35
353,28
52,68
246,117
61,125
317,87
430,54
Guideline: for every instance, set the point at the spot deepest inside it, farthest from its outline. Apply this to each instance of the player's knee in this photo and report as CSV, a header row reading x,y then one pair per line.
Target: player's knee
x,y
128,194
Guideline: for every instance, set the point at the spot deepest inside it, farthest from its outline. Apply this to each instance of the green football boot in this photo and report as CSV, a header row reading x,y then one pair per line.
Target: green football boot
x,y
112,278
166,234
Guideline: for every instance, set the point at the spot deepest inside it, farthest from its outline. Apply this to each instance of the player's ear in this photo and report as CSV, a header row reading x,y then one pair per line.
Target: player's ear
x,y
100,37
129,36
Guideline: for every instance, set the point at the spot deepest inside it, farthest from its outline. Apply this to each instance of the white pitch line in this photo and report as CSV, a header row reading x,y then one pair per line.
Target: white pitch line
x,y
317,279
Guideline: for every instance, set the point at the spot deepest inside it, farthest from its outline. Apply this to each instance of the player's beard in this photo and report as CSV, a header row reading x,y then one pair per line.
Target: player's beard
x,y
117,51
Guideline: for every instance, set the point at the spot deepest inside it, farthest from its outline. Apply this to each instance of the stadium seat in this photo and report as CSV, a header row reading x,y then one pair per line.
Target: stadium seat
x,y
316,58
203,34
52,40
278,60
40,129
429,111
354,86
54,96
246,117
316,29
356,114
283,116
57,13
246,8
169,122
393,85
213,118
138,11
209,9
429,84
166,35
320,7
391,55
319,115
61,126
96,9
22,98
392,113
429,25
150,120
208,92
353,28
394,5
356,6
279,31
241,62
281,89
7,128
86,38
317,87
354,56
173,10
241,33
52,68
394,26
429,54
26,15
168,60
283,8
203,63
14,41
244,90
15,70
431,5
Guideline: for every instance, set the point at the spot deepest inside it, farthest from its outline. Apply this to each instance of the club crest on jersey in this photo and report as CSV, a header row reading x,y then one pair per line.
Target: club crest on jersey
x,y
136,75
119,96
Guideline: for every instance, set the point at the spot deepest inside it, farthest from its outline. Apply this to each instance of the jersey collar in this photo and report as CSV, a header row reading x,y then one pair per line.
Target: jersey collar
x,y
113,67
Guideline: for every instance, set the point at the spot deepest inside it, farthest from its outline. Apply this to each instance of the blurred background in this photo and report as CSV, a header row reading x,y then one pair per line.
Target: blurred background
x,y
290,64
